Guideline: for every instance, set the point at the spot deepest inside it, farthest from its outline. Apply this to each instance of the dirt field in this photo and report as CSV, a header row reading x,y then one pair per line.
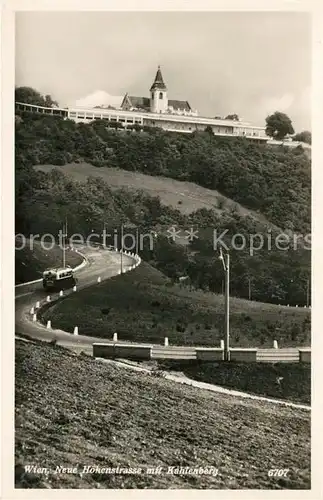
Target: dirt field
x,y
72,411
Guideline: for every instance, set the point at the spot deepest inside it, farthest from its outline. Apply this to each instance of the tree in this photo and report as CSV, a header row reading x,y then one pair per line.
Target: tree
x,y
234,117
32,96
278,125
49,103
304,136
209,130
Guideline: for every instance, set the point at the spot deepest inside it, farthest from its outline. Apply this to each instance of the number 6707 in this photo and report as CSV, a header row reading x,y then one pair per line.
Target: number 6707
x,y
278,472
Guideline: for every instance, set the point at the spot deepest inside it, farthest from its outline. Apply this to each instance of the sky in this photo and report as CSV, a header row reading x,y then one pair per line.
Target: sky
x,y
249,63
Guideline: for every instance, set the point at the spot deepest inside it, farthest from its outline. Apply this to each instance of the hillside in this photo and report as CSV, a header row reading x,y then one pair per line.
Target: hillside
x,y
275,183
121,424
144,306
187,197
202,181
44,200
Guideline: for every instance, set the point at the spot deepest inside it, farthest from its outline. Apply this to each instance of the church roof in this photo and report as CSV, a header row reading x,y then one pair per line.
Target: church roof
x,y
158,82
139,102
176,104
144,103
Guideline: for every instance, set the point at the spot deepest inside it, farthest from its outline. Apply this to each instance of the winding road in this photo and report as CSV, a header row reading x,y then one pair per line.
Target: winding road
x,y
104,264
99,263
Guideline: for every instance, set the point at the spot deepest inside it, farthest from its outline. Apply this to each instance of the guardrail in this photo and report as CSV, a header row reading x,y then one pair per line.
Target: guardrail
x,y
141,351
285,355
237,354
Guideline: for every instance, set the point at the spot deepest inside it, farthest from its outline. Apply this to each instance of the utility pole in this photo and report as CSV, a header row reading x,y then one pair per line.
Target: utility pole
x,y
104,239
64,236
307,292
227,310
137,241
121,249
249,290
226,266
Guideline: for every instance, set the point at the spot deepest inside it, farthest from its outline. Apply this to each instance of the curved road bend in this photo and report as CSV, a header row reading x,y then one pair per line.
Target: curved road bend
x,y
101,263
104,264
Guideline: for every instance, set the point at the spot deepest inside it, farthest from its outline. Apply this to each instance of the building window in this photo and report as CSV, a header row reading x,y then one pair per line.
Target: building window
x,y
160,95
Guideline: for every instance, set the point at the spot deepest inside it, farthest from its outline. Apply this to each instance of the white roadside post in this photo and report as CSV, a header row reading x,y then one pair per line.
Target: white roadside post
x,y
76,330
166,342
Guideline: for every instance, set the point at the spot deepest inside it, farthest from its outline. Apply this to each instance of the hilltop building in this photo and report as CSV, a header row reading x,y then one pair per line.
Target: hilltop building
x,y
158,101
156,111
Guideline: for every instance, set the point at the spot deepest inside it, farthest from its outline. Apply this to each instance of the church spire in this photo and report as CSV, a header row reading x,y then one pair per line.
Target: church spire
x,y
158,82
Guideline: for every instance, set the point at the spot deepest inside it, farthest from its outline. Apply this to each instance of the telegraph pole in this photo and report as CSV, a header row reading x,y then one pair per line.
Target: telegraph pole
x,y
137,242
121,249
249,294
226,266
307,292
64,241
104,239
227,310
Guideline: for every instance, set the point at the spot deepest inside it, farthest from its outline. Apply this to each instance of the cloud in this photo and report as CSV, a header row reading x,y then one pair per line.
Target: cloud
x,y
282,103
98,98
251,63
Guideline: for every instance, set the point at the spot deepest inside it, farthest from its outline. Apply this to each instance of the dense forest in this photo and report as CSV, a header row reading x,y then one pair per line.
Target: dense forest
x,y
276,183
273,182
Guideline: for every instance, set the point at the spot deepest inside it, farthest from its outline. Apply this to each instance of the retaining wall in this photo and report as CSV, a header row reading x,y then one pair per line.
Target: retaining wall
x,y
122,351
209,354
304,355
240,354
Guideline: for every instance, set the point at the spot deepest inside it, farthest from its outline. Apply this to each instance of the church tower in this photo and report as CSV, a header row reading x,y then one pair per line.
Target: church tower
x,y
158,94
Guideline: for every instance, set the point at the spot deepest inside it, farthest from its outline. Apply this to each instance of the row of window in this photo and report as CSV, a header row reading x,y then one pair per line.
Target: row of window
x,y
82,116
49,111
179,126
67,274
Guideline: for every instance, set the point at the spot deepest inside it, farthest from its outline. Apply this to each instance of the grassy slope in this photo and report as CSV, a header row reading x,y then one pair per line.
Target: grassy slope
x,y
74,411
143,306
184,196
254,378
30,264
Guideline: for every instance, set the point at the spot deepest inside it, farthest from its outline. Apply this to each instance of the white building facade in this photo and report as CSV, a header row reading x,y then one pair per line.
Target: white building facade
x,y
156,111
